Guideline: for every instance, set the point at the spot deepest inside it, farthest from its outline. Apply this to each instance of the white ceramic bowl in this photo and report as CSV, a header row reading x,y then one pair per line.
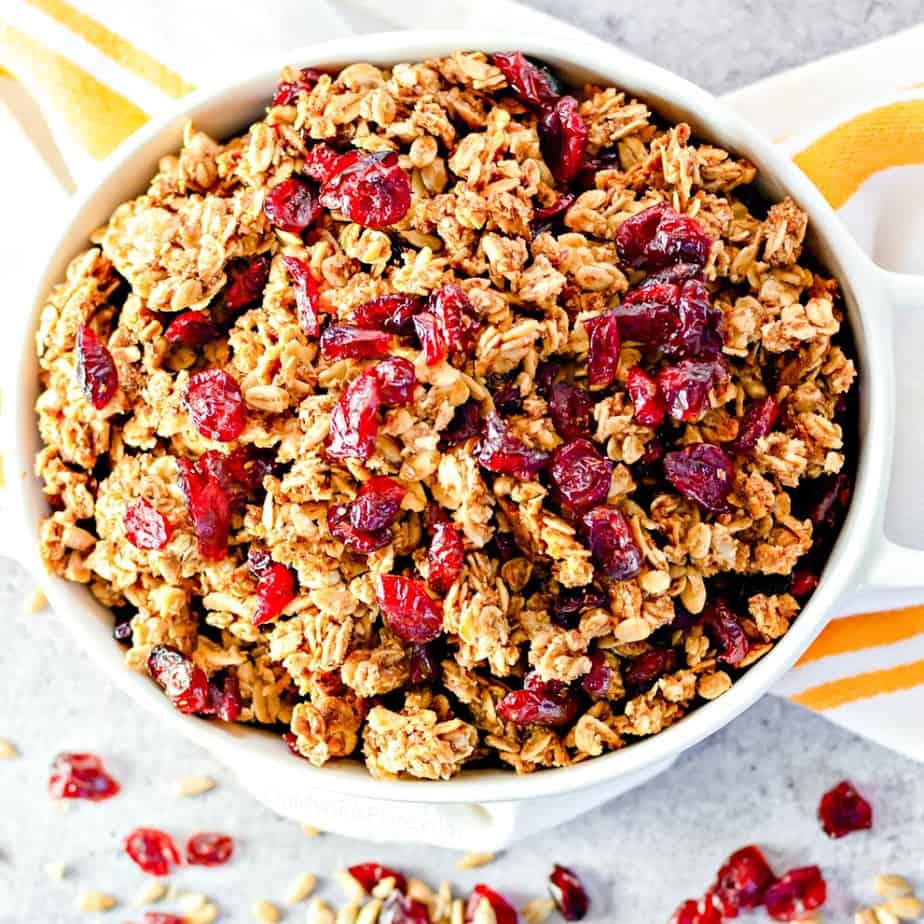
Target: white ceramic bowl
x,y
343,795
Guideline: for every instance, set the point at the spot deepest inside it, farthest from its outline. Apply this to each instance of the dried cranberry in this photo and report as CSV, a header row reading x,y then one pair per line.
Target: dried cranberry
x,y
506,394
581,475
646,396
192,328
687,385
842,810
500,451
369,875
247,284
563,137
726,630
342,340
531,83
353,422
160,917
504,912
154,851
827,512
702,472
796,894
389,313
145,527
373,191
612,544
209,849
307,295
122,627
644,670
596,682
377,504
397,381
209,508
224,701
572,601
603,354
398,908
275,591
546,372
411,613
186,685
430,334
658,236
703,911
287,91
454,313
423,664
465,423
292,205
291,742
757,422
544,219
445,557
743,881
96,370
322,162
571,409
341,527
803,583
80,776
215,404
568,893
538,703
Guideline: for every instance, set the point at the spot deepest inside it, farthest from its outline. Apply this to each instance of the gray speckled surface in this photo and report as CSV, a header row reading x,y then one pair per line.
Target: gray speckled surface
x,y
759,780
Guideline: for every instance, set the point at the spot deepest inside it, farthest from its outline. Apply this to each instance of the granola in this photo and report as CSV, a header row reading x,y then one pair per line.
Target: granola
x,y
447,417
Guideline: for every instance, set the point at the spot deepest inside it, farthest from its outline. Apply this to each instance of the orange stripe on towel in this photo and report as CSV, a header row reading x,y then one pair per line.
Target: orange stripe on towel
x,y
862,686
867,630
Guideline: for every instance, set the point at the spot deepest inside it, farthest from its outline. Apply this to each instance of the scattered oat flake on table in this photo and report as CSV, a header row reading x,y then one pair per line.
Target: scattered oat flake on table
x,y
266,912
35,602
348,913
96,901
8,750
906,907
311,831
319,912
890,885
475,860
150,893
301,888
205,915
537,911
195,785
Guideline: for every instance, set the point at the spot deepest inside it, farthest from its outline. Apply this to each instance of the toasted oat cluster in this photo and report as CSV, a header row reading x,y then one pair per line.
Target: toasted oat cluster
x,y
446,417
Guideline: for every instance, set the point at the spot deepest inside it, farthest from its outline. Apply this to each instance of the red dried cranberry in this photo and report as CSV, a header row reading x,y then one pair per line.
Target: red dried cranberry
x,y
373,191
399,909
239,474
645,669
423,664
258,561
465,423
445,557
192,328
96,370
702,472
568,893
80,776
454,314
287,91
356,540
353,422
725,629
743,881
342,340
432,342
842,810
291,742
544,219
275,591
390,313
757,422
369,875
411,613
504,912
604,342
145,527
377,504
500,451
796,894
572,601
307,295
563,138
247,284
571,409
646,397
581,475
215,404
612,544
209,849
596,682
154,851
224,701
186,685
687,385
160,917
659,236
538,703
546,373
397,381
703,911
828,512
322,162
209,508
531,83
803,583
506,394
292,205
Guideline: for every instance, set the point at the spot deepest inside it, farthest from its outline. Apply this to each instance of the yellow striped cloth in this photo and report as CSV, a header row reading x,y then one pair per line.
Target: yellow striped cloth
x,y
87,73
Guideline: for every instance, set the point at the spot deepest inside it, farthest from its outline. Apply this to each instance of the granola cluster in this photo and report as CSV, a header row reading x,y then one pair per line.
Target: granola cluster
x,y
446,417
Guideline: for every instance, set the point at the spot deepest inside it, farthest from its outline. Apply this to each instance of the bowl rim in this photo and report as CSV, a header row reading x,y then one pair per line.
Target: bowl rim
x,y
249,748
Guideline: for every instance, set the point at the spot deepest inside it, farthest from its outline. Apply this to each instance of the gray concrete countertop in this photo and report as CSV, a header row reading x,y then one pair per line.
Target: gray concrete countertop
x,y
757,781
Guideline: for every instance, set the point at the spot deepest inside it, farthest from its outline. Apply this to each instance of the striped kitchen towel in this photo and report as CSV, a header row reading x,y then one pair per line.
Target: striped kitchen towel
x,y
78,77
